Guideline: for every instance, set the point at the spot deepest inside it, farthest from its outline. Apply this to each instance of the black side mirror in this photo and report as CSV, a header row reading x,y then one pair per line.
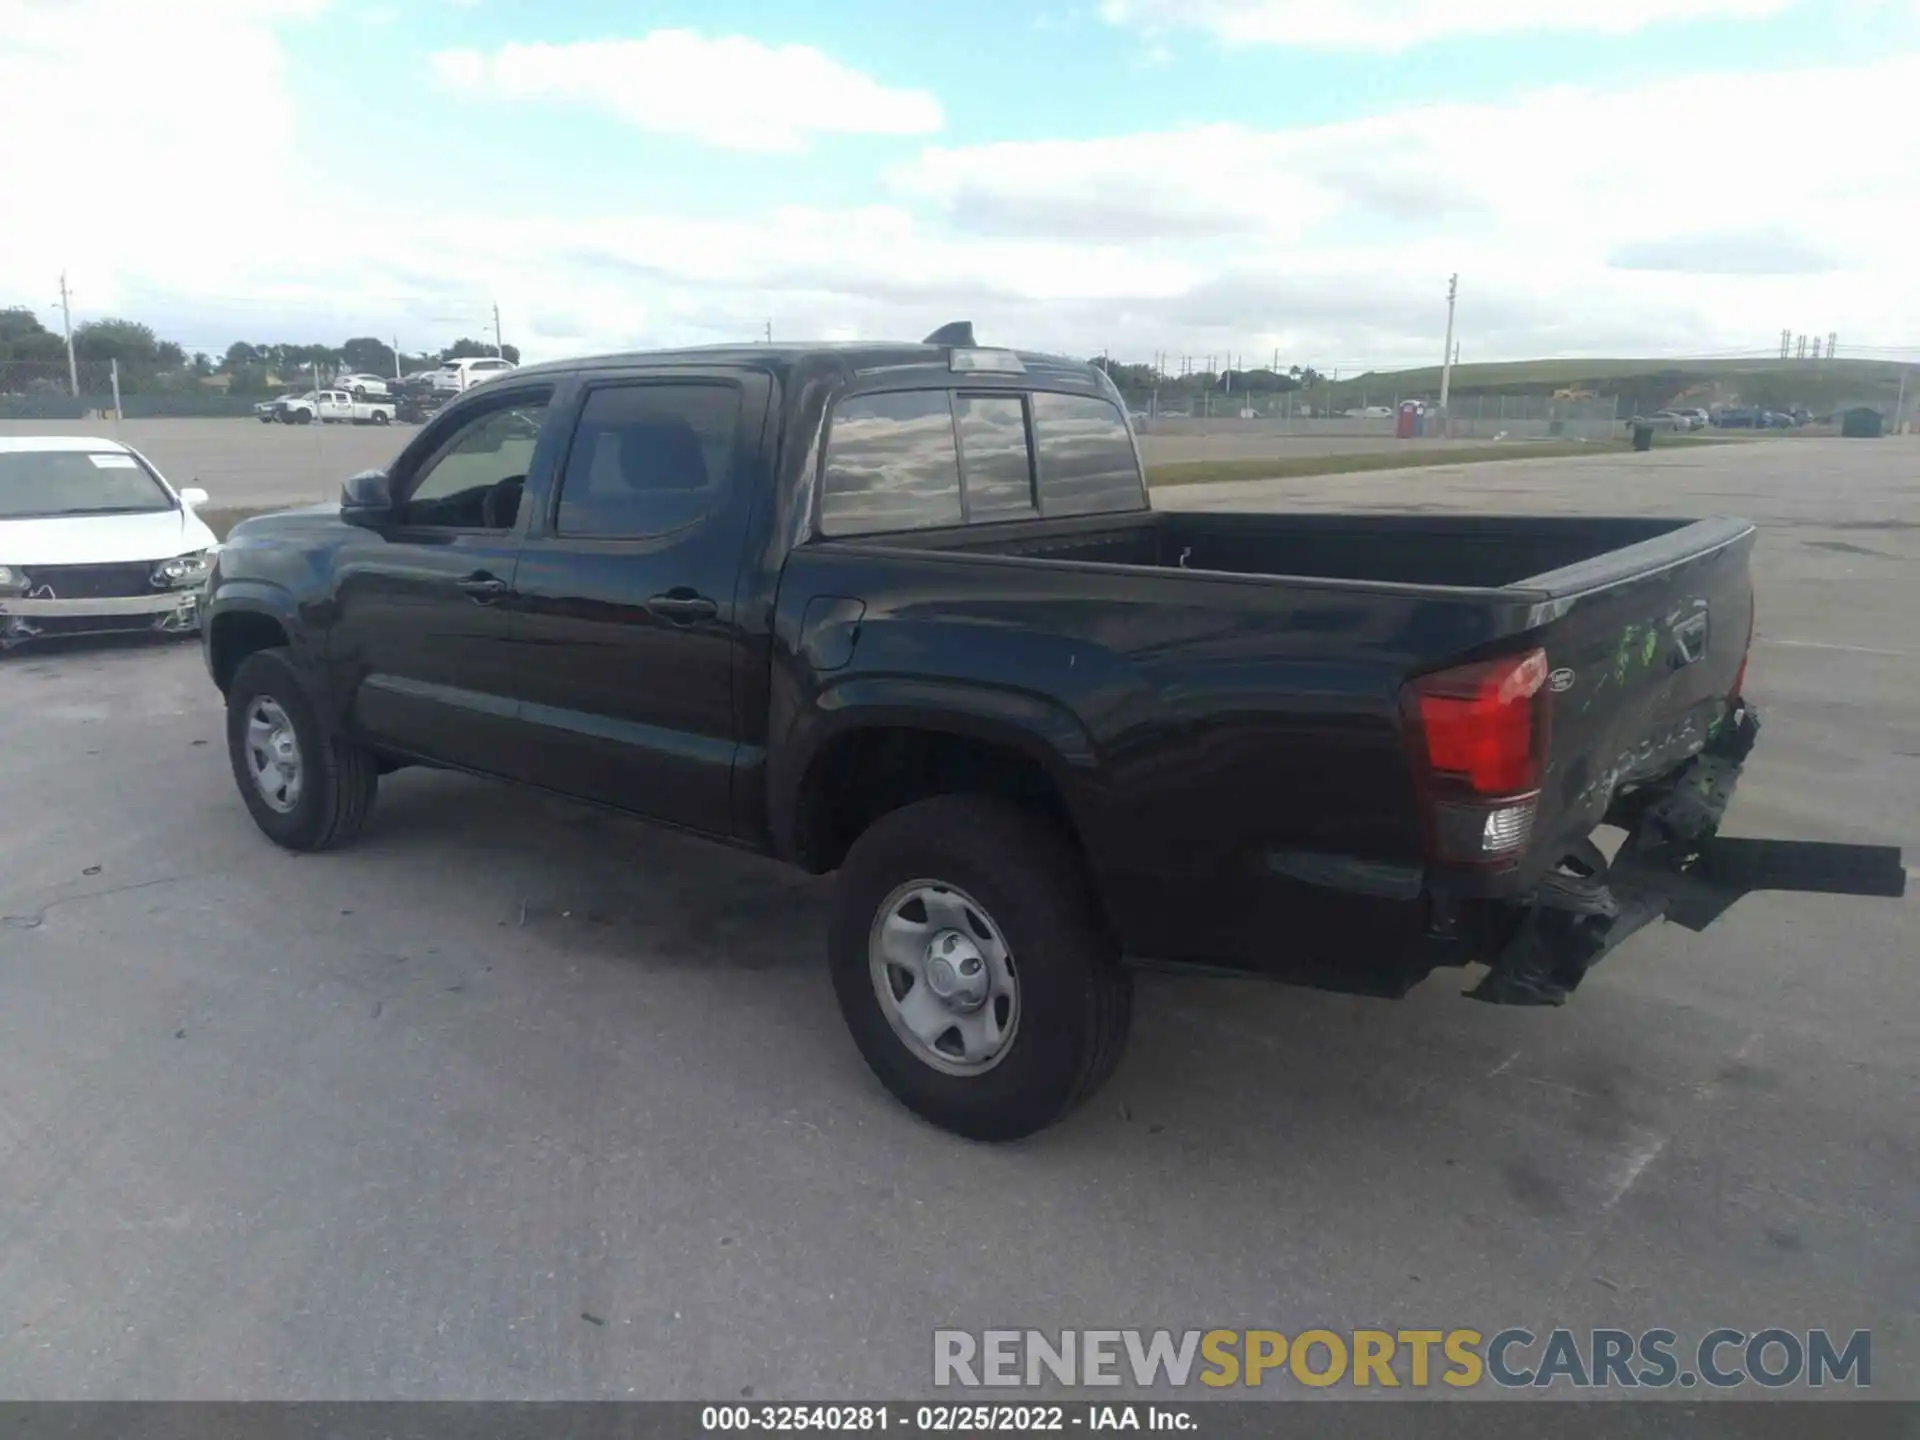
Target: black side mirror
x,y
367,500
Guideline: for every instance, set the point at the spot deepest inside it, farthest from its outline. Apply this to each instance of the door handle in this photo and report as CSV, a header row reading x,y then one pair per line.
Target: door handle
x,y
683,607
482,588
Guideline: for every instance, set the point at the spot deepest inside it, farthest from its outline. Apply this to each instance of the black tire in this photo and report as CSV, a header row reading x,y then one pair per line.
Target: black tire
x,y
380,417
303,417
1075,1001
340,779
359,392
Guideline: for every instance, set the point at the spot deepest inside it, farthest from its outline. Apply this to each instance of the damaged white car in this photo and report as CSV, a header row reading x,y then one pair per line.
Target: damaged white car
x,y
93,541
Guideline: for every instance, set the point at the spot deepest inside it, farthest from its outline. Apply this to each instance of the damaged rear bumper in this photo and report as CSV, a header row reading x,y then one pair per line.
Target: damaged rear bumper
x,y
1673,866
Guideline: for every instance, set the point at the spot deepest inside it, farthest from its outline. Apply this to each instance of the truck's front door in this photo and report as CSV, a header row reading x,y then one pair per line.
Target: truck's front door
x,y
420,633
626,627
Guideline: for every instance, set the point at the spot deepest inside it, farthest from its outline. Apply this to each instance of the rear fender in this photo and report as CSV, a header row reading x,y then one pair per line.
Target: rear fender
x,y
1037,728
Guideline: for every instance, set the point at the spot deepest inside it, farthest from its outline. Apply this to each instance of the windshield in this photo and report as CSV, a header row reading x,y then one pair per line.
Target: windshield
x,y
38,483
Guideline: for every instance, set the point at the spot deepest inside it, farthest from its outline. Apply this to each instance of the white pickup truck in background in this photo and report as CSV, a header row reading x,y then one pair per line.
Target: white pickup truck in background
x,y
335,407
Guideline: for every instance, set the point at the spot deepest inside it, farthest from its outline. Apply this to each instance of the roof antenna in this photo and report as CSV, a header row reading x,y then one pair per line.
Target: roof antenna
x,y
960,333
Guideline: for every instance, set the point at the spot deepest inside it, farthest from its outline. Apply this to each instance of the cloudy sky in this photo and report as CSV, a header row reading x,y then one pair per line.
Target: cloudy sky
x,y
1134,176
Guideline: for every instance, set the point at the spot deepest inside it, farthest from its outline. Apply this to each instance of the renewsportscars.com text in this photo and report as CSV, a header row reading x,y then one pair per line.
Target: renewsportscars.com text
x,y
1601,1359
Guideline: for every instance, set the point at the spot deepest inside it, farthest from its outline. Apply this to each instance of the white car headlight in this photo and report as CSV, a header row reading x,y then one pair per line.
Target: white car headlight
x,y
184,570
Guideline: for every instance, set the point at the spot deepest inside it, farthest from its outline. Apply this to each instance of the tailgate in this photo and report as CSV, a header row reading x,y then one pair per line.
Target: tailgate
x,y
1645,648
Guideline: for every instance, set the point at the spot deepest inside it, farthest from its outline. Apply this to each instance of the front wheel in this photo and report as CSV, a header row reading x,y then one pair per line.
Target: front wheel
x,y
972,966
303,417
305,789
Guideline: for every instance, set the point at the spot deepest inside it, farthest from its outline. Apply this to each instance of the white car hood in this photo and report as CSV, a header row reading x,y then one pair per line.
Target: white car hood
x,y
103,539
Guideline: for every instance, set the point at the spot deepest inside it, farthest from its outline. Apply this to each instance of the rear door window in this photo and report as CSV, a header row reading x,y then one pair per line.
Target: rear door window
x,y
1087,462
891,465
648,459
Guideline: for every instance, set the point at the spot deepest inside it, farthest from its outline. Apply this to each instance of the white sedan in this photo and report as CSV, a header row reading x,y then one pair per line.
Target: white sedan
x,y
93,540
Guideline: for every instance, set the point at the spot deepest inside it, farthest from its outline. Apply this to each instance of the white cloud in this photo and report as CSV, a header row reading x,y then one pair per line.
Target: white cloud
x,y
1196,184
1395,25
729,91
132,135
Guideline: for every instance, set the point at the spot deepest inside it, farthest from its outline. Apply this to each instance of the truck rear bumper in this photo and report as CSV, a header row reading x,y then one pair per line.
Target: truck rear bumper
x,y
1673,866
1336,922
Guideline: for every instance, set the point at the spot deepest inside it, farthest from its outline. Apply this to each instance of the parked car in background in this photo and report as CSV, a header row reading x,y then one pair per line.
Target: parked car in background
x,y
416,407
93,540
1738,419
363,386
335,407
458,375
1696,419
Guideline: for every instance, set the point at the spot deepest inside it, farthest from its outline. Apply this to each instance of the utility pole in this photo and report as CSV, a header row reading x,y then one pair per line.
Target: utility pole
x,y
769,332
396,357
498,348
66,320
1900,405
1446,362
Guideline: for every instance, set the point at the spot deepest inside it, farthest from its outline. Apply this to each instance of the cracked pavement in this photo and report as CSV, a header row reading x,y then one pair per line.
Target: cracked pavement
x,y
518,1100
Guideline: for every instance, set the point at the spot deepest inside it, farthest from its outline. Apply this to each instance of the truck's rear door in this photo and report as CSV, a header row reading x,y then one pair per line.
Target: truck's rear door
x,y
624,625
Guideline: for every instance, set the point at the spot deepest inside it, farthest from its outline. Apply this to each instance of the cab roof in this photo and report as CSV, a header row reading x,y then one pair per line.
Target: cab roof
x,y
854,356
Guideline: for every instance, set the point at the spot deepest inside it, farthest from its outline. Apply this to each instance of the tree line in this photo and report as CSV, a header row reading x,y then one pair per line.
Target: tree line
x,y
149,363
1263,381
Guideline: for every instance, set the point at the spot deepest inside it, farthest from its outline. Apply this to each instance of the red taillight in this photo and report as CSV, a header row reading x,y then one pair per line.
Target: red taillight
x,y
1479,739
1480,723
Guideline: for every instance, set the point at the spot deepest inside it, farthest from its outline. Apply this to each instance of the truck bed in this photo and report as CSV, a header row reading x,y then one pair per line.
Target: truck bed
x,y
1245,706
1480,552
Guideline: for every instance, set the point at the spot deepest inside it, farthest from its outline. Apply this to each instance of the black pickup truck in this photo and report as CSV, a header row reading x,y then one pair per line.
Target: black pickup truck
x,y
903,611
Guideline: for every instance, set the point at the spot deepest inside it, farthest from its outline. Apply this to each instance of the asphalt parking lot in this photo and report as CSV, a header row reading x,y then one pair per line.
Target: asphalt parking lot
x,y
514,1099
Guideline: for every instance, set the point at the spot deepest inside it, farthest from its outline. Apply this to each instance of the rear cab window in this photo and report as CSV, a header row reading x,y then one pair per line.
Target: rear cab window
x,y
928,458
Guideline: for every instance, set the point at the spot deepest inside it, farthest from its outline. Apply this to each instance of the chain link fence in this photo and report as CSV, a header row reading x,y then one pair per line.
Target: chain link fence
x,y
1303,412
97,389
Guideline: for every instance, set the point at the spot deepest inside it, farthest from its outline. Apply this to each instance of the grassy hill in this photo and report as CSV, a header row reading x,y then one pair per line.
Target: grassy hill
x,y
1650,384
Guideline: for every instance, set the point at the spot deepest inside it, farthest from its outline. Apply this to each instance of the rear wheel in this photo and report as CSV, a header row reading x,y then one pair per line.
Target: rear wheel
x,y
972,967
306,790
380,417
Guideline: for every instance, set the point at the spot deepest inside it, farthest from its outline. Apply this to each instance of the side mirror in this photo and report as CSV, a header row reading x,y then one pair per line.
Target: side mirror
x,y
193,497
367,500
